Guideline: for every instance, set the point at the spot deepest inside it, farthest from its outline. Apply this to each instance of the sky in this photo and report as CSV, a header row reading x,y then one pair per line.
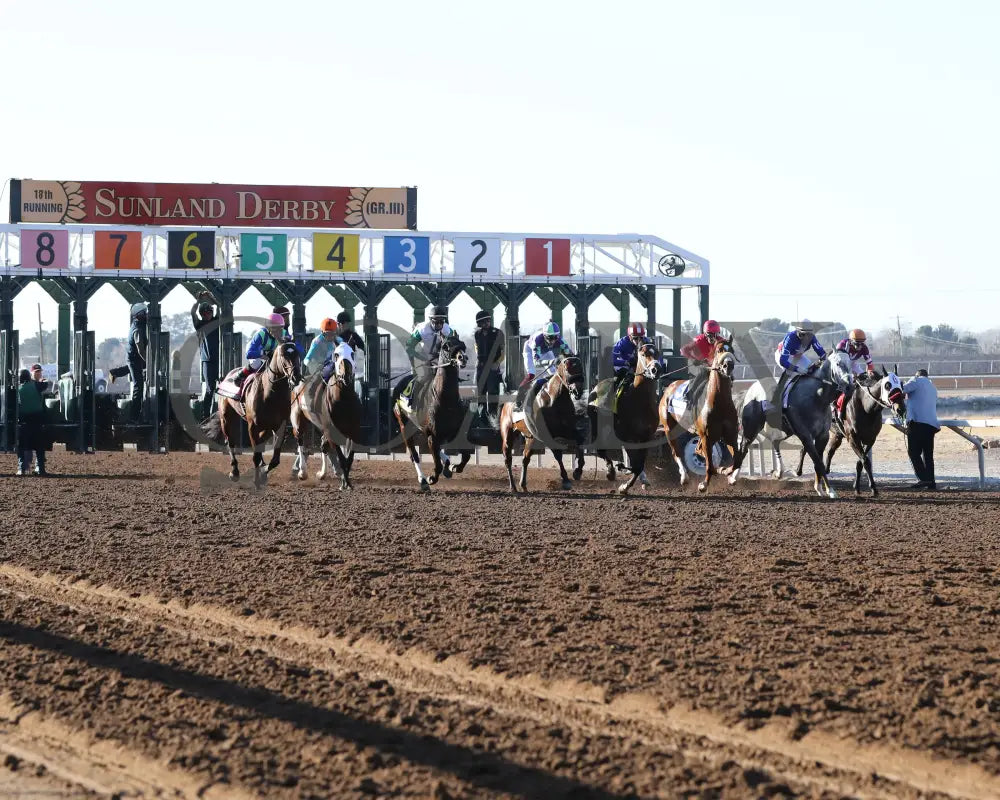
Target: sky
x,y
836,161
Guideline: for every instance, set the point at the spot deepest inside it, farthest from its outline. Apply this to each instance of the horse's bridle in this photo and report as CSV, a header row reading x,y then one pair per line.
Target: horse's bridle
x,y
886,404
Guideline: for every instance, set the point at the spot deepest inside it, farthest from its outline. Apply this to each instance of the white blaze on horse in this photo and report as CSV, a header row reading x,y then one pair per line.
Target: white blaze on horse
x,y
713,419
804,411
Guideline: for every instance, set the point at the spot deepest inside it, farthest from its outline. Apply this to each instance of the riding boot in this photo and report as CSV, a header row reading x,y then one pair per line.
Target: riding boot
x,y
522,390
241,377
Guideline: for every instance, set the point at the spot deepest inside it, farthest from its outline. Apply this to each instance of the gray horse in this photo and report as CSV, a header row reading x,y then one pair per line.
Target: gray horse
x,y
807,416
873,394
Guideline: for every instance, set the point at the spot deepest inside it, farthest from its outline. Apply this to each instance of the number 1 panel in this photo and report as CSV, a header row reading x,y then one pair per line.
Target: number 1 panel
x,y
546,257
477,257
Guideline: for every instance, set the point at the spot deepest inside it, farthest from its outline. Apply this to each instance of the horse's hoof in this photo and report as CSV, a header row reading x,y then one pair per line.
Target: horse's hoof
x,y
234,477
567,485
432,479
702,486
577,474
424,485
446,472
732,480
610,474
458,469
622,490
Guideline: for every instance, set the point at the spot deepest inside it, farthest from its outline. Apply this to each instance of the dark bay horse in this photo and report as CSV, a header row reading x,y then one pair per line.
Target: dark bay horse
x,y
334,409
550,420
807,416
266,407
714,421
635,417
872,395
438,413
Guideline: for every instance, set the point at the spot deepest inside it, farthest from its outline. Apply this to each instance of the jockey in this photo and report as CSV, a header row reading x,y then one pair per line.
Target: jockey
x,y
861,361
286,318
262,345
424,344
626,352
792,353
322,348
546,345
699,353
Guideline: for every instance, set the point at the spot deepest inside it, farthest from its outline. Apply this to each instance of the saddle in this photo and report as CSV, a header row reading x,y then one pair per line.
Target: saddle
x,y
227,386
605,396
406,399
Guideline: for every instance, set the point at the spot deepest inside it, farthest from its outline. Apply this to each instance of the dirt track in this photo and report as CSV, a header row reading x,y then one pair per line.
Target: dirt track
x,y
385,643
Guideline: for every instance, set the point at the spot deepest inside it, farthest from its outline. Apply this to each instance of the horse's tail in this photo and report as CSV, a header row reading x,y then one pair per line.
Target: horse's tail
x,y
212,428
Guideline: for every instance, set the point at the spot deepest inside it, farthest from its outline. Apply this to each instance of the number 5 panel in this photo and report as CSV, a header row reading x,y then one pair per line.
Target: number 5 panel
x,y
477,257
49,249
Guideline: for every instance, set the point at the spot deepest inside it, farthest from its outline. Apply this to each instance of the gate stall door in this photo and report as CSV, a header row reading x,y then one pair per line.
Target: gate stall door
x,y
84,364
589,349
515,360
158,387
9,361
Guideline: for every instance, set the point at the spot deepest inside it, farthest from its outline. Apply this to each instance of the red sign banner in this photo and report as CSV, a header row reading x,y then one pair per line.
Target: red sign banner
x,y
212,204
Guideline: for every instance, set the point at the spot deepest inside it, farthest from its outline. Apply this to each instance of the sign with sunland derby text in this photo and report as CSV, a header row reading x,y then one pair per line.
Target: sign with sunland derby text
x,y
212,205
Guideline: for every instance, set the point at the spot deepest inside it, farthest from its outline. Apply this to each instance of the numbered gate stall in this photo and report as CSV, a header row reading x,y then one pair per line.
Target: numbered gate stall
x,y
9,368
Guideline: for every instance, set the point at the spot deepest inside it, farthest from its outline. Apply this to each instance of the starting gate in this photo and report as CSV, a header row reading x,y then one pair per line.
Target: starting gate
x,y
588,348
515,361
84,370
9,363
158,390
378,392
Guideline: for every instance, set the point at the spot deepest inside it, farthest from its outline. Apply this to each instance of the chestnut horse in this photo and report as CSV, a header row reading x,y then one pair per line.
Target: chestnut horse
x,y
550,419
266,407
334,409
716,420
635,417
438,414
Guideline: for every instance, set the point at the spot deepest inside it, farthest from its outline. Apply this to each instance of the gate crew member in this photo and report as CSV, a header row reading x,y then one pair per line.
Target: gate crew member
x,y
138,342
489,358
205,318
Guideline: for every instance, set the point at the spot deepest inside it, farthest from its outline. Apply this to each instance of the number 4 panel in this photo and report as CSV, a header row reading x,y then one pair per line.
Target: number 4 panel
x,y
546,257
45,249
477,257
117,250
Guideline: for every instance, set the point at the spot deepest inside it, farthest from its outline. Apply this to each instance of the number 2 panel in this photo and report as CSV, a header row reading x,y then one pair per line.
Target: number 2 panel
x,y
546,257
477,257
45,249
117,250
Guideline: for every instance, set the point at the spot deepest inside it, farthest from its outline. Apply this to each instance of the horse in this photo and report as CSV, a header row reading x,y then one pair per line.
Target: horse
x,y
266,407
635,419
871,396
438,414
550,418
334,409
807,417
716,420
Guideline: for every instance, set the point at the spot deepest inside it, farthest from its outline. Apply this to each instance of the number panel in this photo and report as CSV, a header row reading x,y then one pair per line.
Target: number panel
x,y
117,250
45,249
263,252
477,257
191,249
406,255
336,252
546,257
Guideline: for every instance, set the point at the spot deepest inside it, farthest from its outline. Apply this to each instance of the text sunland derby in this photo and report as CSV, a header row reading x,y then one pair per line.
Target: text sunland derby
x,y
102,203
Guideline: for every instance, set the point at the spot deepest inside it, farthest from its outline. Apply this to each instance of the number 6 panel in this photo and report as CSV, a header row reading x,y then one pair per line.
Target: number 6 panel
x,y
477,257
191,249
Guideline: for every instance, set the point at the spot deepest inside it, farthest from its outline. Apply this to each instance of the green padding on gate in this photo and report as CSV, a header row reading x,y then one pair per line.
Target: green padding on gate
x,y
67,401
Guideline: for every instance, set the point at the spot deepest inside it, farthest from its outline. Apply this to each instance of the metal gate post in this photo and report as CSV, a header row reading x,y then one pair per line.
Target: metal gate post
x,y
9,361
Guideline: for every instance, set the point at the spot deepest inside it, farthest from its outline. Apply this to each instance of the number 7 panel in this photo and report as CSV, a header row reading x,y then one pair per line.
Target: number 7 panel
x,y
117,250
546,257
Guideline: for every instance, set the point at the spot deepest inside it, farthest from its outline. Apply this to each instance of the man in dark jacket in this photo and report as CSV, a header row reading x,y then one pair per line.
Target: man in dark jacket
x,y
489,358
345,330
205,318
138,342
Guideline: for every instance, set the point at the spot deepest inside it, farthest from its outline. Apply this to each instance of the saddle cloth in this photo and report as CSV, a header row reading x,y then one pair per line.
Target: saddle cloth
x,y
678,404
227,387
405,399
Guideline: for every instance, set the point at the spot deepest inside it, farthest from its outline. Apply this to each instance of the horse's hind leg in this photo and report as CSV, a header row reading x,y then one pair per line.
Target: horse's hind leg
x,y
301,455
802,462
636,463
507,437
414,454
566,484
580,463
836,439
279,442
708,447
673,436
230,434
525,460
345,465
868,470
466,455
445,461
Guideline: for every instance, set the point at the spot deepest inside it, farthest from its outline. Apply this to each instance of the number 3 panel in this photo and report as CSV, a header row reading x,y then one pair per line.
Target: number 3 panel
x,y
117,250
477,257
406,255
45,249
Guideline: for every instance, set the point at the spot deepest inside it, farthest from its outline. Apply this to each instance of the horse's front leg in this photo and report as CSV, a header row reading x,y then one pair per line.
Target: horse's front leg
x,y
279,441
411,448
466,455
802,462
525,460
635,465
259,475
301,454
445,460
566,483
432,445
507,437
708,445
609,464
580,464
673,439
868,470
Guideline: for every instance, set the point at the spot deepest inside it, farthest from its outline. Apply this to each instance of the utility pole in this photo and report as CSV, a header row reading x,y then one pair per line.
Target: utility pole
x,y
899,333
41,340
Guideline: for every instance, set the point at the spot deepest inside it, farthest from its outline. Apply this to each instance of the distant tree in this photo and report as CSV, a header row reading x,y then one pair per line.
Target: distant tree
x,y
30,351
946,333
925,330
969,339
688,329
774,325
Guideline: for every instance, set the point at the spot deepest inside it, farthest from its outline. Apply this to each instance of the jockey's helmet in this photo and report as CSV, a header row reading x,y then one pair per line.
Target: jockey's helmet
x,y
439,316
711,328
804,327
484,319
275,322
636,330
283,311
328,325
551,333
858,336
